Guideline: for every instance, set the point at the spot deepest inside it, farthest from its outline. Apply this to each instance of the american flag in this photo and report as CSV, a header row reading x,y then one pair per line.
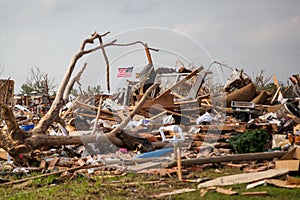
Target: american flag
x,y
124,71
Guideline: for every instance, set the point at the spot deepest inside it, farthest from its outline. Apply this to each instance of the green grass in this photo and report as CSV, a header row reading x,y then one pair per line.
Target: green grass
x,y
118,187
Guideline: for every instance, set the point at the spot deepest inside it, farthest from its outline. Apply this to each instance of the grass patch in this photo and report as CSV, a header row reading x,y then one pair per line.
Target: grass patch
x,y
121,187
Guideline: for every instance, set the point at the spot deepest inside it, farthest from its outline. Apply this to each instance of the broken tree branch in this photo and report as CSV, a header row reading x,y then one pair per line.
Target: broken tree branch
x,y
136,109
70,85
58,102
112,134
106,62
98,115
21,144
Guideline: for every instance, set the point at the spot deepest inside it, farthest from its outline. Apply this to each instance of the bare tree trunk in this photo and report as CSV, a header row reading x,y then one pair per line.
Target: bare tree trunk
x,y
12,139
58,102
21,144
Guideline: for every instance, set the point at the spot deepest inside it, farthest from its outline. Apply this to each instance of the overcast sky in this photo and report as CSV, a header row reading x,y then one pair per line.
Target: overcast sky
x,y
252,35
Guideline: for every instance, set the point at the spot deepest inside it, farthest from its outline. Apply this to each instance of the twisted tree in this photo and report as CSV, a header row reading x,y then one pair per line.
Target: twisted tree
x,y
21,144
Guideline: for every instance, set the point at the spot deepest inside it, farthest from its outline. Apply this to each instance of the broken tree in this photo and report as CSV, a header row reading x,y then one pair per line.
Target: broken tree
x,y
21,144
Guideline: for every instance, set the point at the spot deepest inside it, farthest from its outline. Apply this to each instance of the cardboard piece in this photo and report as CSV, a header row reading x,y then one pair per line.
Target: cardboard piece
x,y
291,165
297,153
281,183
291,160
293,154
293,180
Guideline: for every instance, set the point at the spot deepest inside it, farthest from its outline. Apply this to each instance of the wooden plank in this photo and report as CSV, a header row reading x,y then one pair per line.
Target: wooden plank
x,y
226,127
262,193
225,191
238,166
229,158
243,178
3,154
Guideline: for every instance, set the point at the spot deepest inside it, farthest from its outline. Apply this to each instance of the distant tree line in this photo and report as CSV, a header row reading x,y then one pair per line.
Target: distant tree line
x,y
41,82
38,81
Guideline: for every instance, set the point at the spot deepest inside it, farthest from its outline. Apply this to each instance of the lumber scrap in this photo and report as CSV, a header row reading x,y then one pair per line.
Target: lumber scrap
x,y
225,127
261,193
166,101
226,191
229,158
98,116
243,178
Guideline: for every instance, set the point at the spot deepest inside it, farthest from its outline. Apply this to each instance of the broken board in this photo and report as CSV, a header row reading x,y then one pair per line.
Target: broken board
x,y
243,178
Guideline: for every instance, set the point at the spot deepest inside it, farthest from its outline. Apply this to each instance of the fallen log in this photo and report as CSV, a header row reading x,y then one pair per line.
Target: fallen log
x,y
21,144
229,158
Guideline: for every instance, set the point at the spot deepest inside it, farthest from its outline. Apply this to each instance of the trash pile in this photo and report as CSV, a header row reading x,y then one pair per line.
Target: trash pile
x,y
167,120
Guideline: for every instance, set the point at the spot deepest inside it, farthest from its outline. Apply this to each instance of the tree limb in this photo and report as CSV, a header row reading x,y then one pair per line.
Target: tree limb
x,y
58,102
112,134
70,85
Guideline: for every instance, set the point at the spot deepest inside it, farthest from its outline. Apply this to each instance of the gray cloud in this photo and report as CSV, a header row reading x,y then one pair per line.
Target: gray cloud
x,y
138,7
249,34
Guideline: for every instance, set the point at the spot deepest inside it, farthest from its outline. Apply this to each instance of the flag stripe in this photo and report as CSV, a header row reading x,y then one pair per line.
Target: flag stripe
x,y
124,71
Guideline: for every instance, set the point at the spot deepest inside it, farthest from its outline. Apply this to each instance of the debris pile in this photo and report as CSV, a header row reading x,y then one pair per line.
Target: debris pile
x,y
165,119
